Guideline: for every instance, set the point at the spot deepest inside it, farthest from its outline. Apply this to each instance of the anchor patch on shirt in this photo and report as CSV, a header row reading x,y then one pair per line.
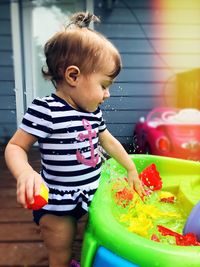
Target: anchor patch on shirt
x,y
91,134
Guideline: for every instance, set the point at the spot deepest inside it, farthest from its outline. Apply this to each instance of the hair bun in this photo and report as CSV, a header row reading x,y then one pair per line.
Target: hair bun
x,y
83,19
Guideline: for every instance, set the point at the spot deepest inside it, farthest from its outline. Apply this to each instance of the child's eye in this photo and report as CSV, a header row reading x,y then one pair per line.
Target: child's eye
x,y
104,87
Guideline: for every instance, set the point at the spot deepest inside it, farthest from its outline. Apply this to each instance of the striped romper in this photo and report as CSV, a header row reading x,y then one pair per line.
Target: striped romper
x,y
68,143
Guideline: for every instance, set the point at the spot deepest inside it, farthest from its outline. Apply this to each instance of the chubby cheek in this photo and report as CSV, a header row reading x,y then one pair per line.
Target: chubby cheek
x,y
97,96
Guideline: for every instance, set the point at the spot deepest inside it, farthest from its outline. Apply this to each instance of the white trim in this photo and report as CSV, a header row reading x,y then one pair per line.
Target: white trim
x,y
28,53
17,60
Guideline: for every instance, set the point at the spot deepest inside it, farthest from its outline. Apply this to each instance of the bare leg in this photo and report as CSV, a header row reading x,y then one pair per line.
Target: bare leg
x,y
58,234
82,225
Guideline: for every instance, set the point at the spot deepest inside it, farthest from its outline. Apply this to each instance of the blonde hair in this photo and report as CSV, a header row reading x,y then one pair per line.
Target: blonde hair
x,y
80,46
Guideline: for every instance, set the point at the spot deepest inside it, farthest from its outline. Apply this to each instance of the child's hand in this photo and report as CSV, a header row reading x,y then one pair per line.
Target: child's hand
x,y
28,185
136,183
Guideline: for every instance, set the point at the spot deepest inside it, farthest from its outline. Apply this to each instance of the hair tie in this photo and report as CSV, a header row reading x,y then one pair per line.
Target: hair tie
x,y
82,20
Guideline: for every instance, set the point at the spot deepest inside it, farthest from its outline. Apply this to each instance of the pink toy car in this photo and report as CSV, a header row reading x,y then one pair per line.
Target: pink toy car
x,y
169,132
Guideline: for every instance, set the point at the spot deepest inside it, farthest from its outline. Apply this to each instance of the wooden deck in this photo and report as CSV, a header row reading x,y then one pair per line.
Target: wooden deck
x,y
20,241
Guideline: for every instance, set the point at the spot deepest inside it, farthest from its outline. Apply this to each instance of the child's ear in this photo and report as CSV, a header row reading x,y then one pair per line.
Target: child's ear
x,y
71,75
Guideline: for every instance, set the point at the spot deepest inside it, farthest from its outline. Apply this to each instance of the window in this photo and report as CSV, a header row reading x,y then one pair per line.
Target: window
x,y
33,22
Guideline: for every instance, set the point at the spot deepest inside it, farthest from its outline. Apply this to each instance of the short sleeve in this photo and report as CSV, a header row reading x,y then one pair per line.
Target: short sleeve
x,y
38,120
102,125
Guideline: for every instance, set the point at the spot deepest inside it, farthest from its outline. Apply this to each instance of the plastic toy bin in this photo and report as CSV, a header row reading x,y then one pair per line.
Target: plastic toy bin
x,y
108,244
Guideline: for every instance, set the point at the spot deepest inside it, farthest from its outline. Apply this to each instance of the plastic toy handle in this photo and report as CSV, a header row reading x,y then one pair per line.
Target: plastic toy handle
x,y
189,239
166,231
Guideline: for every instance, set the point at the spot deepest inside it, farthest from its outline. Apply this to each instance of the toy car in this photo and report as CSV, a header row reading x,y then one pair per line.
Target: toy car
x,y
169,132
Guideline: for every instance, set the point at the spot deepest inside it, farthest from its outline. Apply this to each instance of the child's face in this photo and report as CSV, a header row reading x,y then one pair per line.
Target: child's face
x,y
92,90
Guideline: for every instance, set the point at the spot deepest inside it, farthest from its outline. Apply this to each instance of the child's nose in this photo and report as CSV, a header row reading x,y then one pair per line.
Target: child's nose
x,y
106,93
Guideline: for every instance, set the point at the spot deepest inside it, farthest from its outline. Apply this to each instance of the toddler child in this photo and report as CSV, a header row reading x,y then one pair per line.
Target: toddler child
x,y
68,126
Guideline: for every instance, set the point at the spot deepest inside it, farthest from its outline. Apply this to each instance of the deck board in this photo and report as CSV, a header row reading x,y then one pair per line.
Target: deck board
x,y
20,240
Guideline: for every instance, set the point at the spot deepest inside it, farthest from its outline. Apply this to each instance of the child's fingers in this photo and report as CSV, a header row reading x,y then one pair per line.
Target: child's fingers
x,y
21,196
37,184
139,188
30,190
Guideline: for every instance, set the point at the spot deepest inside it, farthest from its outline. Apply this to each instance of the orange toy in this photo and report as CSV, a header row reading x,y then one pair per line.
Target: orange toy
x,y
39,200
124,196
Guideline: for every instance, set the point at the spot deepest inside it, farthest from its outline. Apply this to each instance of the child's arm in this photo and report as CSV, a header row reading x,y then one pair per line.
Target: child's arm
x,y
28,180
113,147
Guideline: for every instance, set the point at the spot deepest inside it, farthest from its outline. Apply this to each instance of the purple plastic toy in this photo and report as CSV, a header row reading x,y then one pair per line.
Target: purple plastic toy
x,y
193,222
